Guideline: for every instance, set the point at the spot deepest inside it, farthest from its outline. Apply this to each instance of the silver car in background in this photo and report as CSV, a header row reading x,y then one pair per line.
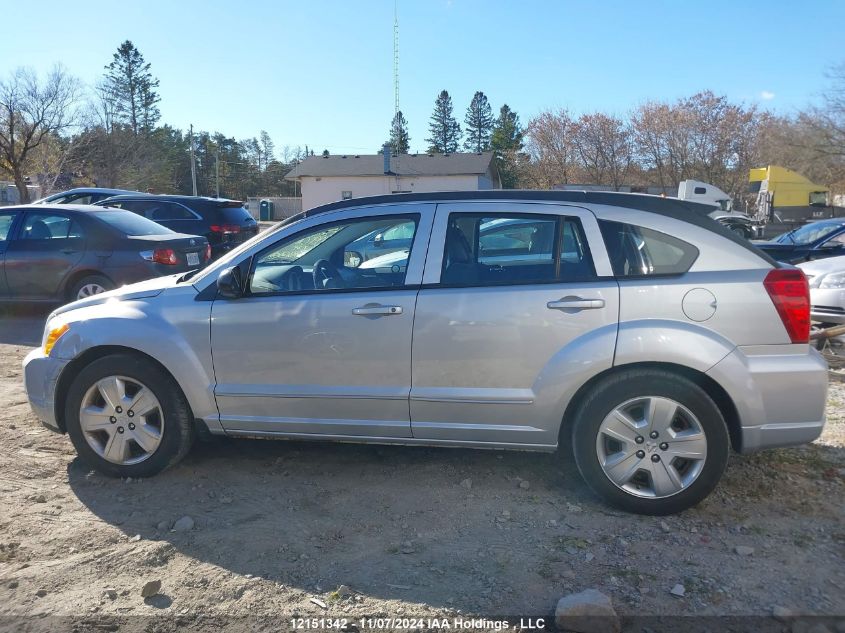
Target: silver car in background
x,y
633,333
827,289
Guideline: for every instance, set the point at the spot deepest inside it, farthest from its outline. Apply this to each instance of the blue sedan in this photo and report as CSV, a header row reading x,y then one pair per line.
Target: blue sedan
x,y
817,240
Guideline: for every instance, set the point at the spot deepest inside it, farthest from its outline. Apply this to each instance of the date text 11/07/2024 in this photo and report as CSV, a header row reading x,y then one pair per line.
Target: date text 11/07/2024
x,y
447,624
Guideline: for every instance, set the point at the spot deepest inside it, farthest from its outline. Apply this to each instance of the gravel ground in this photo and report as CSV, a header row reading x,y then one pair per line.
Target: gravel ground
x,y
279,529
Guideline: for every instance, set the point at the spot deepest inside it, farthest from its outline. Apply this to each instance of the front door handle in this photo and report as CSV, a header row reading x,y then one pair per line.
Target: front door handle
x,y
377,310
575,303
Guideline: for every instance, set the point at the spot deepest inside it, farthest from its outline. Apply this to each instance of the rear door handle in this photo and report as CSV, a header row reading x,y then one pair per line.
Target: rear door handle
x,y
575,303
377,310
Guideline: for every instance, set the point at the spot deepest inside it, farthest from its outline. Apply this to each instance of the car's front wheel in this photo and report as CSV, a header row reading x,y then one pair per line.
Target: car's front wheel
x,y
650,441
127,418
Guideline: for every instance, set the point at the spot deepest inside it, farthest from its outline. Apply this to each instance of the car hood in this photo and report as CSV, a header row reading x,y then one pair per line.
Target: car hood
x,y
823,266
140,290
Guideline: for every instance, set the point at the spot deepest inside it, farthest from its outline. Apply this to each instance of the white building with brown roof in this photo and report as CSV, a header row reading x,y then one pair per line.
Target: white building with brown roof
x,y
325,179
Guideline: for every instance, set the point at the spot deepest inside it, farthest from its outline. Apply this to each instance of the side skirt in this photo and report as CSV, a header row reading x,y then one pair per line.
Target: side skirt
x,y
401,441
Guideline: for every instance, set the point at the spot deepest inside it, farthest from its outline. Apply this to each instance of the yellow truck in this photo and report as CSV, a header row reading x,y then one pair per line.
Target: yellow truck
x,y
786,198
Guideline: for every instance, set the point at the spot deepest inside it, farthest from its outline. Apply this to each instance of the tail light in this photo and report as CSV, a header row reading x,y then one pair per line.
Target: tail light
x,y
161,256
207,252
225,229
790,292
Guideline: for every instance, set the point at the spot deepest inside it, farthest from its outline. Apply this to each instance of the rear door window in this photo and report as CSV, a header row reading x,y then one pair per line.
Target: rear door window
x,y
487,249
636,251
46,226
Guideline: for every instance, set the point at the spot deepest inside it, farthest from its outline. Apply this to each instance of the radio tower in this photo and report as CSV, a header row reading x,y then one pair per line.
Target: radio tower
x,y
396,57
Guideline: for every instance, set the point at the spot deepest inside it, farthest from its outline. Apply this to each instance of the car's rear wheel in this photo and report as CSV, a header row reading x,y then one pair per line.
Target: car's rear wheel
x,y
650,441
89,286
127,418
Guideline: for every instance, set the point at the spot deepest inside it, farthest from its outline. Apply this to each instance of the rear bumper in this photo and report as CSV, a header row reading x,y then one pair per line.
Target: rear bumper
x,y
780,393
827,305
41,373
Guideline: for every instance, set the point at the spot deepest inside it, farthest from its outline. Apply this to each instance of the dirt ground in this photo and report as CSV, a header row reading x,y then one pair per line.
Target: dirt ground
x,y
328,530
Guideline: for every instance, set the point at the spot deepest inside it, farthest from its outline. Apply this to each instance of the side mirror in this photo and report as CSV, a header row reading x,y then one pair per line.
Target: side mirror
x,y
378,240
230,283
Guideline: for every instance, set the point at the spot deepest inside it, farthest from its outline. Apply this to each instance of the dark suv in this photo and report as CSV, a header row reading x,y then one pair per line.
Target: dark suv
x,y
224,223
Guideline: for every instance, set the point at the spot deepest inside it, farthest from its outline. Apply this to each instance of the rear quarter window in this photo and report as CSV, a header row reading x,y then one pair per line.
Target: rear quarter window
x,y
636,251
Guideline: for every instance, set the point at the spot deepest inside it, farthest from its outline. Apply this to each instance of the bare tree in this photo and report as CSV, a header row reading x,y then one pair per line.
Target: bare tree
x,y
604,149
30,112
550,144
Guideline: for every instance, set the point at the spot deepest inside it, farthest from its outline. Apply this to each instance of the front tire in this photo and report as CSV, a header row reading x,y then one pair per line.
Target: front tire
x,y
126,417
650,441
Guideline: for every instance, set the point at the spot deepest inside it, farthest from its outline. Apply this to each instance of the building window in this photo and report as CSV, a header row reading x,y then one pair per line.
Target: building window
x,y
345,195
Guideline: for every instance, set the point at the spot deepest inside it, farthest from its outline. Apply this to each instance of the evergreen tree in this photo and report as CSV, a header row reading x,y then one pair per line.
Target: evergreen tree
x,y
399,139
507,132
444,129
506,142
132,88
479,124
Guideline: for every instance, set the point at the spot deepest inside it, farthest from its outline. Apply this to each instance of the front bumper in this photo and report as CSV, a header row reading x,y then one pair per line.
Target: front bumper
x,y
41,374
780,393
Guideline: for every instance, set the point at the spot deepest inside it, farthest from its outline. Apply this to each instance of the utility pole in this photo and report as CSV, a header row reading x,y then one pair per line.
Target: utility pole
x,y
193,164
217,168
395,57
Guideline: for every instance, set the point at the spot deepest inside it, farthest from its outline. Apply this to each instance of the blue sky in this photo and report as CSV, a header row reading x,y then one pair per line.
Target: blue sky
x,y
320,72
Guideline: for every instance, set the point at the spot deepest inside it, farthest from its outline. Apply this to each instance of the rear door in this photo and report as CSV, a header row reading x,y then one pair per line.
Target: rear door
x,y
7,226
518,304
47,247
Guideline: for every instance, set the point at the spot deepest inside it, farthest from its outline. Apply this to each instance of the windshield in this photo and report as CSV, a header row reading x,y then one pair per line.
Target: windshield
x,y
131,224
809,233
223,262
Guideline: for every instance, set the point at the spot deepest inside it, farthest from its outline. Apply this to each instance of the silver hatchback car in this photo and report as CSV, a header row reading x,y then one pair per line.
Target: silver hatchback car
x,y
630,331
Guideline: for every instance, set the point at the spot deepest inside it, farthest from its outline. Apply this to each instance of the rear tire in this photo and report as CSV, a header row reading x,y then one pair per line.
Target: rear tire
x,y
154,442
89,286
630,431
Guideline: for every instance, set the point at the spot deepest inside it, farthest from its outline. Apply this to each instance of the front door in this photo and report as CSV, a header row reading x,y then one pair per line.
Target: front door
x,y
321,344
47,247
518,303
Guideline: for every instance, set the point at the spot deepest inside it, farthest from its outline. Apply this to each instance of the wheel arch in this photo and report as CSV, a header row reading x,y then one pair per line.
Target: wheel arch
x,y
711,387
87,357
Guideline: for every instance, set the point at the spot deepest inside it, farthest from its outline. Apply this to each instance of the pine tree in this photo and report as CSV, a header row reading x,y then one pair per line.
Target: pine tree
x,y
507,132
132,88
399,139
479,124
506,142
444,129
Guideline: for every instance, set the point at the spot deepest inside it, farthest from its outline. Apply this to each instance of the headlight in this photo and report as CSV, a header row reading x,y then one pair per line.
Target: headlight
x,y
54,330
836,280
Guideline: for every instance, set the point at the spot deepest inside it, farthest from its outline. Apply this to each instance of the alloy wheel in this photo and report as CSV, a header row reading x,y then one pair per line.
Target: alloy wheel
x,y
122,420
651,447
89,290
